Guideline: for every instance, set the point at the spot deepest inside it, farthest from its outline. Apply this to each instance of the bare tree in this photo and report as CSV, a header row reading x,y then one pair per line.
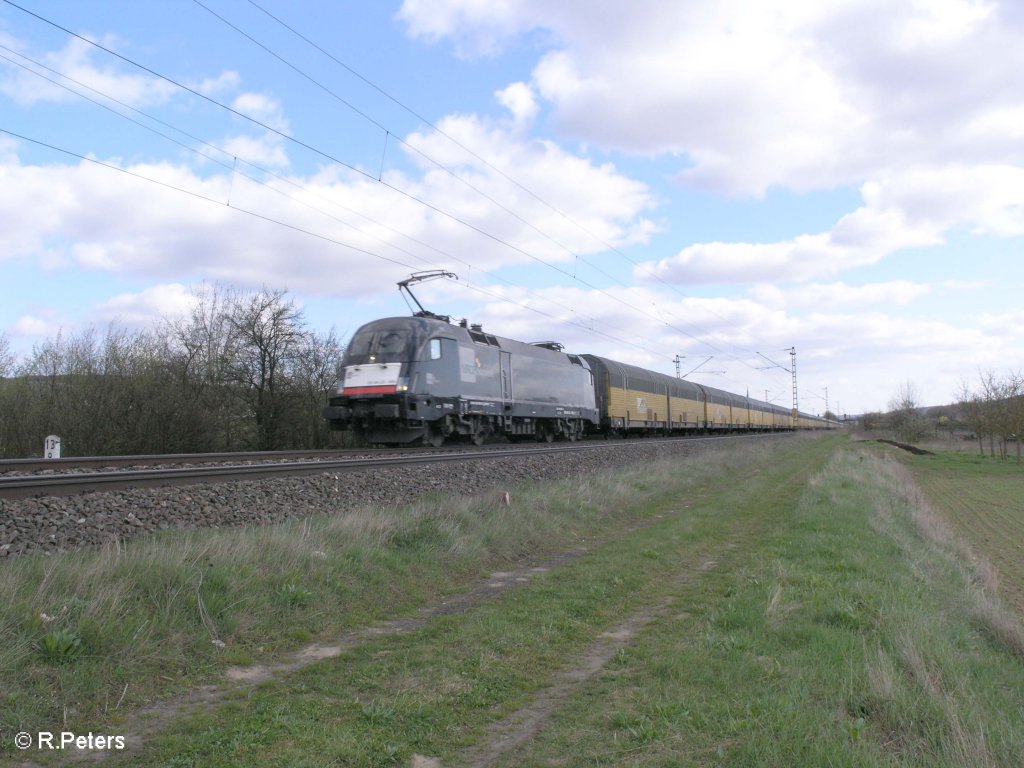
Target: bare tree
x,y
6,357
1014,392
8,410
905,417
994,413
972,411
314,372
268,332
198,351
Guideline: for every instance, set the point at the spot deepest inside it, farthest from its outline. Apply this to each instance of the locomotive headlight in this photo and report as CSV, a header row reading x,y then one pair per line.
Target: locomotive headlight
x,y
403,384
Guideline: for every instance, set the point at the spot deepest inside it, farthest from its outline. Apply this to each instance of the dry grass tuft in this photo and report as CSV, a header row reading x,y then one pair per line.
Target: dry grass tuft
x,y
882,674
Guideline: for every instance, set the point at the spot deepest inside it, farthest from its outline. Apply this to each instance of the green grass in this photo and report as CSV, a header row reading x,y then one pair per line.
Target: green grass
x,y
802,606
155,617
852,636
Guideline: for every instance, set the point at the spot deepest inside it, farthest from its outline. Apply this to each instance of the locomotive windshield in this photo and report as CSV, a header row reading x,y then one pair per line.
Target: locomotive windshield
x,y
392,345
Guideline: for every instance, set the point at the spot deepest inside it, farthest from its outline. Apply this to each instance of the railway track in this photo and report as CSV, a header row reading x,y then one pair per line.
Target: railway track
x,y
97,462
58,482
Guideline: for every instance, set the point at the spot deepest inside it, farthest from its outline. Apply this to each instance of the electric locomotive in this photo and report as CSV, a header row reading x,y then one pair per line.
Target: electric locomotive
x,y
425,379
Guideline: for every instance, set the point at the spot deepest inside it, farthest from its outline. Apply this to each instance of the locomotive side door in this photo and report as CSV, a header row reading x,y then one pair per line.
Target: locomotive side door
x,y
506,381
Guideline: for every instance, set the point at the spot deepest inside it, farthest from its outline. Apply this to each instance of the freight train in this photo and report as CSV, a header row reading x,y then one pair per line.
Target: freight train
x,y
424,379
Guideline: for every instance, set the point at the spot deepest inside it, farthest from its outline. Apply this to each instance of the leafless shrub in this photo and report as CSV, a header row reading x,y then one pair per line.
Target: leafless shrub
x,y
905,417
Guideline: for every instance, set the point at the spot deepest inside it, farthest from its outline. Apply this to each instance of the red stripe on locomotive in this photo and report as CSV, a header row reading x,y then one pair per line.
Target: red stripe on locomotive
x,y
380,390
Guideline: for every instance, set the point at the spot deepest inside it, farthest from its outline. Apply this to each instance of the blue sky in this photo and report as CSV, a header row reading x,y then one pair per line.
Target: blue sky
x,y
641,180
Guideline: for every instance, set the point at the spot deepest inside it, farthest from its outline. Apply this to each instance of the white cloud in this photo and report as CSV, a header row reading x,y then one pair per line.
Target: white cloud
x,y
814,295
519,99
140,310
33,326
479,27
264,151
262,108
105,221
75,61
913,209
227,81
803,95
582,207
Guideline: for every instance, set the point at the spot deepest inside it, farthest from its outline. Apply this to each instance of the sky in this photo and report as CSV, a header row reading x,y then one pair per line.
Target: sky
x,y
717,183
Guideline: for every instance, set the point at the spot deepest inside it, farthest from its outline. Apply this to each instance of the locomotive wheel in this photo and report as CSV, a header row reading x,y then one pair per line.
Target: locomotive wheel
x,y
547,435
477,438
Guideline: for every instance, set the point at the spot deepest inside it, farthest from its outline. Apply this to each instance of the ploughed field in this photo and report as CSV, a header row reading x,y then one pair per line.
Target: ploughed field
x,y
983,499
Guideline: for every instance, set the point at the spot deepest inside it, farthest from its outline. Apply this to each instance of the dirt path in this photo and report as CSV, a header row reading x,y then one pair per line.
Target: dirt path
x,y
515,730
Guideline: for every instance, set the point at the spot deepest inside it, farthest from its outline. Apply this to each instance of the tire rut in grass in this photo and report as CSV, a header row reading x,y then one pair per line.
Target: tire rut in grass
x,y
516,729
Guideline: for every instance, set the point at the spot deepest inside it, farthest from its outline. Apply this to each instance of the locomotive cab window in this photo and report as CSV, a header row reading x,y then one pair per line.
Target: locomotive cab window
x,y
435,349
387,346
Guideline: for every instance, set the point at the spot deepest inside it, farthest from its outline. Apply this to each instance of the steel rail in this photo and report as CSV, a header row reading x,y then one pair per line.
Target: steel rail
x,y
35,463
82,462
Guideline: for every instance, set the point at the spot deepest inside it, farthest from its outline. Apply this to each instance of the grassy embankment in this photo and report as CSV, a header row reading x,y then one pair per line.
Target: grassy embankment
x,y
88,636
803,608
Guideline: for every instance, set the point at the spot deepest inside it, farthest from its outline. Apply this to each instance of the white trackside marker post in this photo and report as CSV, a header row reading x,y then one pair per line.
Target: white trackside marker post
x,y
51,447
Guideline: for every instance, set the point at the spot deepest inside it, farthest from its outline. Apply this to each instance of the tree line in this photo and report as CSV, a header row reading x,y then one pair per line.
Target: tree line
x,y
991,413
241,371
994,411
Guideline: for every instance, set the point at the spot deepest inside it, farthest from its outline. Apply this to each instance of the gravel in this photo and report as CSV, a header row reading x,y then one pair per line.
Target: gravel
x,y
61,523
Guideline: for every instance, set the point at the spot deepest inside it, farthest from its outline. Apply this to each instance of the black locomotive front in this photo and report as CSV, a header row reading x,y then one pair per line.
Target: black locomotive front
x,y
419,378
